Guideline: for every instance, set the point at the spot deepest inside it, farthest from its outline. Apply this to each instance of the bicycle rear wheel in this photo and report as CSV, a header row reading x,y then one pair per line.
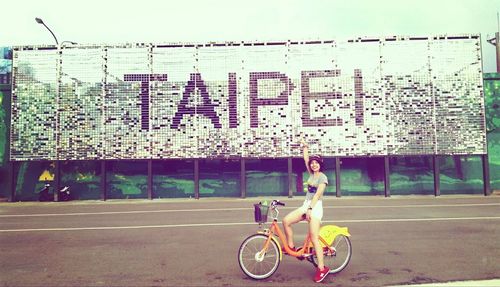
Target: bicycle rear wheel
x,y
255,262
338,254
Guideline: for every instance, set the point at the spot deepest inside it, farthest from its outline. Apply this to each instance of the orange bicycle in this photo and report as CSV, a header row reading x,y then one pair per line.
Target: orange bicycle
x,y
260,254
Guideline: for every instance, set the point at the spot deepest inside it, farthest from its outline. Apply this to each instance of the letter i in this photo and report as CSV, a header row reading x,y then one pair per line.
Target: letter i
x,y
233,109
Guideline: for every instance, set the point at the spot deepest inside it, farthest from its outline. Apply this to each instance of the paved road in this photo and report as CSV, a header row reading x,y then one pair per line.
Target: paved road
x,y
398,240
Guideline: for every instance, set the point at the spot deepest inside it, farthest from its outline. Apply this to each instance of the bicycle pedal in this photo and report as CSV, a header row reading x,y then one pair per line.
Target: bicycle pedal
x,y
329,252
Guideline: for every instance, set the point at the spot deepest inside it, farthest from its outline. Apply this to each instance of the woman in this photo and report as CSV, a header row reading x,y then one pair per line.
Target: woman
x,y
311,210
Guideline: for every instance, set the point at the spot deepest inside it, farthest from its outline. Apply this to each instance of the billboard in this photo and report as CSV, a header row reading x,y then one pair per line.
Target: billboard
x,y
360,97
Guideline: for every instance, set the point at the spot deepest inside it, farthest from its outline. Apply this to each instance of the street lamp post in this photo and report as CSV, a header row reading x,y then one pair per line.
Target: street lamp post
x,y
496,42
57,177
40,21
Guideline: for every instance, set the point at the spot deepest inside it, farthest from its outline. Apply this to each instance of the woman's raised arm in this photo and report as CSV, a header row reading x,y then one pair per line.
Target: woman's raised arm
x,y
305,151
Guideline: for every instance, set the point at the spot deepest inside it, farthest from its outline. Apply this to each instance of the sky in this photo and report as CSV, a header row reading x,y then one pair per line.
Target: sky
x,y
201,21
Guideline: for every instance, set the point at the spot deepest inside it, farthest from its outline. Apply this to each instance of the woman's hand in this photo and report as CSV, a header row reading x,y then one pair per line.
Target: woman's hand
x,y
308,215
303,143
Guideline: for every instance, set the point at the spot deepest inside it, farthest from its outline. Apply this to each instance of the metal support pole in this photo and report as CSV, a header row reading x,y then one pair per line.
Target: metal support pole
x,y
299,182
243,179
486,175
196,178
103,180
338,192
497,45
496,42
57,180
435,164
13,181
150,179
290,178
387,177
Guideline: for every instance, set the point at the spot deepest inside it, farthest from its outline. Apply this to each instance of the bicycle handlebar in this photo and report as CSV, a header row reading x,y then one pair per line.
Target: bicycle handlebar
x,y
277,202
273,207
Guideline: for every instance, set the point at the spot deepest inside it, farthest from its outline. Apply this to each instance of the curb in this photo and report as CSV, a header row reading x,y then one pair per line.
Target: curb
x,y
475,283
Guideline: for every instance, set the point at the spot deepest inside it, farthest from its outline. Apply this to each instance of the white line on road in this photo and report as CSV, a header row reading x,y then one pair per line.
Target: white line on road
x,y
245,223
243,208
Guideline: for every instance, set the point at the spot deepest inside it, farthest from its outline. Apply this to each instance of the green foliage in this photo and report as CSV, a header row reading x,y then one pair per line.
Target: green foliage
x,y
264,183
171,187
492,105
492,102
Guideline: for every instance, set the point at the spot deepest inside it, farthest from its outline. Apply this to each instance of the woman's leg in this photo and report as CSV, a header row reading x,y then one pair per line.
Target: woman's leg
x,y
291,218
314,226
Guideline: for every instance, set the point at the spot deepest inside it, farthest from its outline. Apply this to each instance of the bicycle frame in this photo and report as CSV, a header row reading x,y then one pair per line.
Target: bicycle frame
x,y
276,230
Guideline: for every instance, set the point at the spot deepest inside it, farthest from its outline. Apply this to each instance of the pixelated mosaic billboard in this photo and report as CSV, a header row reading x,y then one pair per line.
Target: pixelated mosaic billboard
x,y
363,97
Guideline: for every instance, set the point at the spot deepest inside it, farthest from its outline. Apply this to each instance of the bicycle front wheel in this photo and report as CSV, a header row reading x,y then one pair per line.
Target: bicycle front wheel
x,y
256,262
337,255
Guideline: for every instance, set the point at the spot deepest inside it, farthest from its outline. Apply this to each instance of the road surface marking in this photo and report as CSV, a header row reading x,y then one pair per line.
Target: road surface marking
x,y
242,208
245,223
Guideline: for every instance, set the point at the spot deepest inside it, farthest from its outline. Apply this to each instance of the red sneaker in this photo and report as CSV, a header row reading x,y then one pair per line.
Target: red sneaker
x,y
321,274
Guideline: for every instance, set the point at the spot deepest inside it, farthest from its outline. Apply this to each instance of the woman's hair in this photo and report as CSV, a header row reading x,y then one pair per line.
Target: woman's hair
x,y
316,158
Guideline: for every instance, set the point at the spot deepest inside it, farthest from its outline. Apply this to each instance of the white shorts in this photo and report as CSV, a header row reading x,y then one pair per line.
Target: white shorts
x,y
317,211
